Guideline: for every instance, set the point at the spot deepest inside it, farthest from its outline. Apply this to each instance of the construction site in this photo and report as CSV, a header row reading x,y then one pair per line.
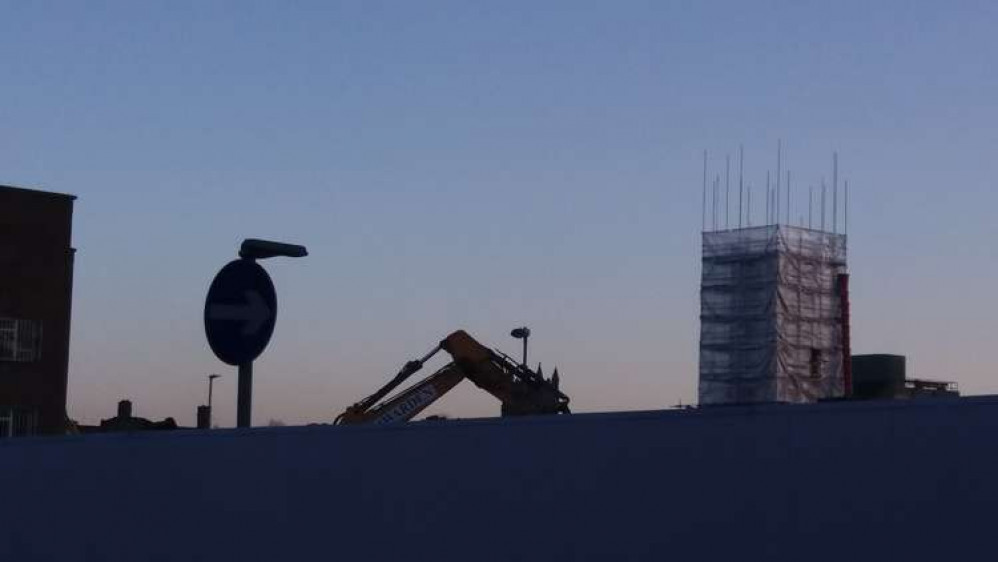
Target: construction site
x,y
797,449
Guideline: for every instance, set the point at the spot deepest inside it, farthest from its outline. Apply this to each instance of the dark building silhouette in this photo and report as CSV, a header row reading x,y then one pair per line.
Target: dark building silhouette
x,y
884,377
125,421
36,292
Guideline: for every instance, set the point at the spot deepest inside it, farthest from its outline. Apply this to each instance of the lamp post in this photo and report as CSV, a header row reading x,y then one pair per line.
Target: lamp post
x,y
211,382
522,333
253,249
240,312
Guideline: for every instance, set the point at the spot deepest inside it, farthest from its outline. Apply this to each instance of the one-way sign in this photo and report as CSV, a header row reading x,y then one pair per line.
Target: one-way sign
x,y
240,312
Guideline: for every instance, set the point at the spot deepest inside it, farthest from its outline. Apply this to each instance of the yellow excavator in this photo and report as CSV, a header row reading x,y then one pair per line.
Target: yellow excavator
x,y
520,390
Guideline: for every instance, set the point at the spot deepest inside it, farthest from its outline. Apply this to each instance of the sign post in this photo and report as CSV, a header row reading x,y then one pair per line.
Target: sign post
x,y
244,395
240,313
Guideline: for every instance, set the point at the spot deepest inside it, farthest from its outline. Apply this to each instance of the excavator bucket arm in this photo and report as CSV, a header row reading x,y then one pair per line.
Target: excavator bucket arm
x,y
409,403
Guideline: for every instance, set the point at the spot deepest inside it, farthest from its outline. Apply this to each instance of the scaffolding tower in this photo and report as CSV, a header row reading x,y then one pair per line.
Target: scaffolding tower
x,y
773,315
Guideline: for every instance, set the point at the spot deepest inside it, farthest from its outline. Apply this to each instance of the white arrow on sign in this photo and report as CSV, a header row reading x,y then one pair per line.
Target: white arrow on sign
x,y
254,314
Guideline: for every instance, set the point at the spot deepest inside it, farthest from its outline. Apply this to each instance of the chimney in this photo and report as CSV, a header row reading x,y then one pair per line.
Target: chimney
x,y
204,417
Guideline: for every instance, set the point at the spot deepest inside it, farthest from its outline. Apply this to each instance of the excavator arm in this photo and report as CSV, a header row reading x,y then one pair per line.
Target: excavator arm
x,y
520,390
408,404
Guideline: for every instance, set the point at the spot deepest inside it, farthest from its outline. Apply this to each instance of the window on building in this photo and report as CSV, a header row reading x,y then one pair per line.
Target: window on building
x,y
6,422
17,422
815,363
20,340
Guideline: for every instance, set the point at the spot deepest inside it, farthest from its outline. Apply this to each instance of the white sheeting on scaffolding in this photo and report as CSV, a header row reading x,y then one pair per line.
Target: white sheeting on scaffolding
x,y
770,319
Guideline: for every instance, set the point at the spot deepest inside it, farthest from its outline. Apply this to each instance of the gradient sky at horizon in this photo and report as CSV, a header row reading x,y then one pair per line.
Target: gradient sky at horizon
x,y
462,165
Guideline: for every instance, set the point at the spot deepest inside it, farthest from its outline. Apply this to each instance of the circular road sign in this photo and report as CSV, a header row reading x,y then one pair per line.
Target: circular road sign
x,y
240,312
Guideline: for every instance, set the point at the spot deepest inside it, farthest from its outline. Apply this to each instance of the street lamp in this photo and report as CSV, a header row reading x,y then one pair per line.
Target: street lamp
x,y
256,249
253,249
240,312
211,382
522,333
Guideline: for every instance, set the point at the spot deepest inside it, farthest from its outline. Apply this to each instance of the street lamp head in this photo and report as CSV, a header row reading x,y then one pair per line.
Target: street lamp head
x,y
254,249
213,376
521,333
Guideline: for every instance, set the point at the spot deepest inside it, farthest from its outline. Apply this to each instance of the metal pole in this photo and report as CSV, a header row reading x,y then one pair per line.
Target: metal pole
x,y
844,325
779,172
788,197
244,395
741,170
823,204
835,192
525,338
522,333
769,205
211,383
717,191
727,191
703,205
810,196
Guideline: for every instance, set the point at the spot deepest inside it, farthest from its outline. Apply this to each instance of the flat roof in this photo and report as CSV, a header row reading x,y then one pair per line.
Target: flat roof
x,y
37,192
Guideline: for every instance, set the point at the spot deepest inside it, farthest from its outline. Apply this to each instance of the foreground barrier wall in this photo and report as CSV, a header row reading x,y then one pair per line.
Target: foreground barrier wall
x,y
845,481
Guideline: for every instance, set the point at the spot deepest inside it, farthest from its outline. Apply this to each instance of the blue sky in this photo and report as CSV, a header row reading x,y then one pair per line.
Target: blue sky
x,y
486,165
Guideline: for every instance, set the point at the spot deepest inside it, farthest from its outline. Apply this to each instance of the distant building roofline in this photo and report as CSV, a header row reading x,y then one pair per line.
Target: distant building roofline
x,y
38,192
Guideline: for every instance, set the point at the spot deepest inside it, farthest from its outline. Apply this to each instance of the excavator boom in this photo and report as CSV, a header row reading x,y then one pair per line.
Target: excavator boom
x,y
520,390
408,404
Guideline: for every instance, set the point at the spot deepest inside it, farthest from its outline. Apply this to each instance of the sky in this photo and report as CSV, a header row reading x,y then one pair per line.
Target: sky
x,y
482,166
